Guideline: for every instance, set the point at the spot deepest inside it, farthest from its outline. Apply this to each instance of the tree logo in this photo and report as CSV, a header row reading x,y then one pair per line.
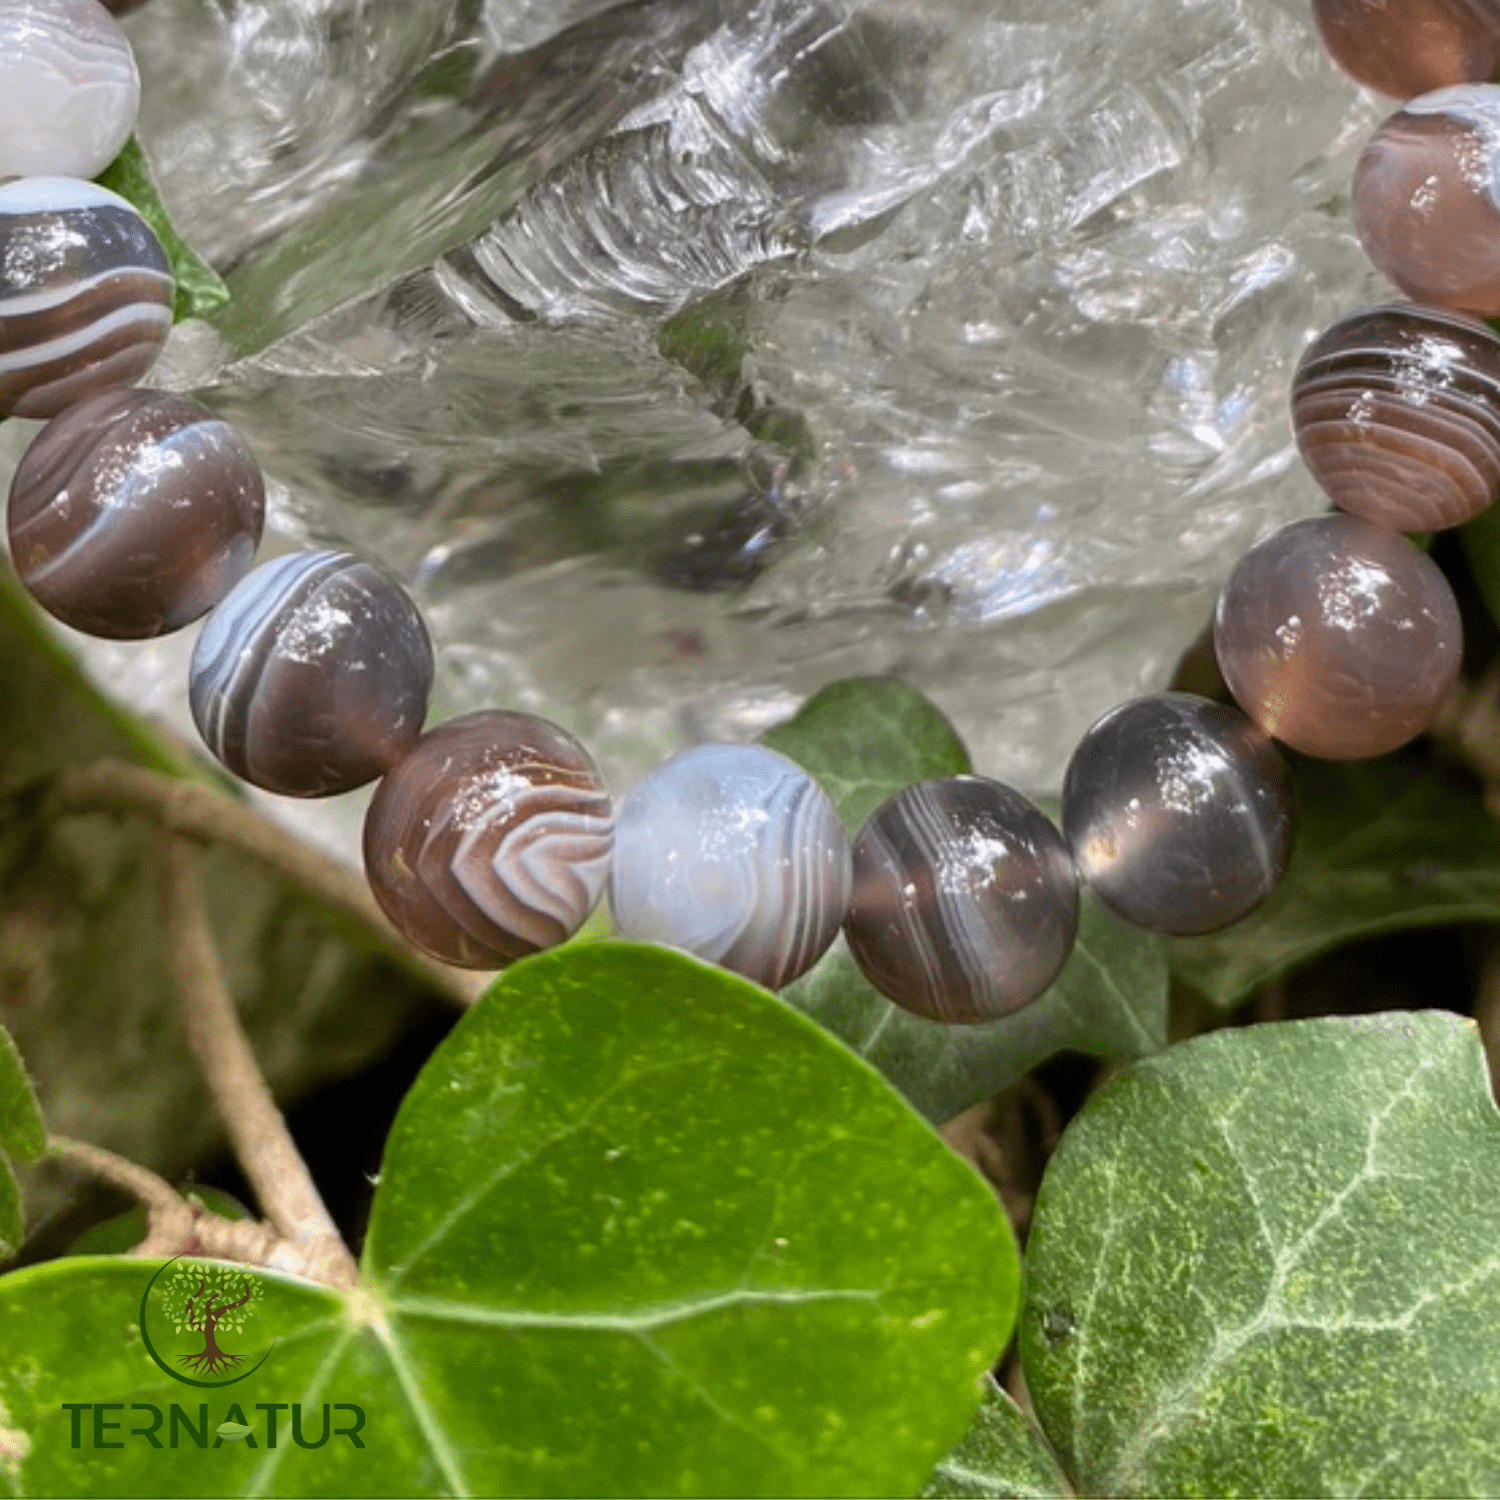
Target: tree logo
x,y
201,1302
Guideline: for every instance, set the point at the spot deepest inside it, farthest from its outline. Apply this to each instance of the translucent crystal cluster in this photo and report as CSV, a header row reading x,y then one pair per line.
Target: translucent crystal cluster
x,y
685,355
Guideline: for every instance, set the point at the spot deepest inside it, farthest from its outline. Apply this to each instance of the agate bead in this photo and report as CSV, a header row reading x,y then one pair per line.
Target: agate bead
x,y
1179,813
1426,198
133,513
733,853
1397,415
85,294
965,901
1412,46
312,676
1338,637
69,90
490,840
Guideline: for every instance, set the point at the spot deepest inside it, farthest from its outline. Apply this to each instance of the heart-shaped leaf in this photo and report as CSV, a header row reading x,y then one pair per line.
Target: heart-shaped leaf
x,y
864,740
1002,1457
22,1133
640,1229
12,1229
1264,1263
1382,846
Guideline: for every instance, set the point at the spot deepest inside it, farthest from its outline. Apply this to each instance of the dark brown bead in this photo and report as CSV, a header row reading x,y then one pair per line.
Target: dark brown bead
x,y
490,840
1397,415
312,676
1407,47
133,513
1425,198
1338,637
1179,813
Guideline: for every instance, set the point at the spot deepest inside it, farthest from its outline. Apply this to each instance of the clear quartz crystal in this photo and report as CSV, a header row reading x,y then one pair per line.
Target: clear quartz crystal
x,y
685,355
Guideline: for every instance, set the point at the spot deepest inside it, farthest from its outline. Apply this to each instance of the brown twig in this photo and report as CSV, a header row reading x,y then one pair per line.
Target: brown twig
x,y
199,813
169,1220
263,1145
179,1226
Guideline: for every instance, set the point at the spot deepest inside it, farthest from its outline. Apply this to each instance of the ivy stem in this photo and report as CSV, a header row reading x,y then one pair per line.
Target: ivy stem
x,y
178,1226
169,1218
206,816
265,1149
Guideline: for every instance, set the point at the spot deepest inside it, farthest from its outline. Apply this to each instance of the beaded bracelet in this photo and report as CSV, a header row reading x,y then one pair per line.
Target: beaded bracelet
x,y
490,837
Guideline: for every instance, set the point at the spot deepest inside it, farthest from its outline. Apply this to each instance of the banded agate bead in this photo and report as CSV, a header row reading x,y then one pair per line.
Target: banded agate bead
x,y
1426,198
1179,813
312,676
1397,415
69,89
85,294
490,840
1338,637
965,900
133,513
1413,46
733,853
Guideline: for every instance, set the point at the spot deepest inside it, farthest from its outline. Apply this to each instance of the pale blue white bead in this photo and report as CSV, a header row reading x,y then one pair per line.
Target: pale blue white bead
x,y
69,90
733,853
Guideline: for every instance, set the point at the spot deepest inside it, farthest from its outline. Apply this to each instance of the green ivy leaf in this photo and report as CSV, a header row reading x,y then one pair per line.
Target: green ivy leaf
x,y
1002,1457
1265,1263
1382,846
22,1133
865,738
199,289
12,1229
640,1229
1109,1001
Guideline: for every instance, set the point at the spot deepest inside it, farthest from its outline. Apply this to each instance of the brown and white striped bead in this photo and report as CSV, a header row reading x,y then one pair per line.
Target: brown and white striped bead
x,y
1397,415
490,840
312,676
965,900
85,294
133,513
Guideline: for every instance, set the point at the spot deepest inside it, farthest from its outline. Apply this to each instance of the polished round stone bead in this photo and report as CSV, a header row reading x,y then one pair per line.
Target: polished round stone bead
x,y
312,676
1397,415
1338,637
69,90
1179,813
133,513
490,839
1412,46
965,901
85,294
733,853
1426,198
